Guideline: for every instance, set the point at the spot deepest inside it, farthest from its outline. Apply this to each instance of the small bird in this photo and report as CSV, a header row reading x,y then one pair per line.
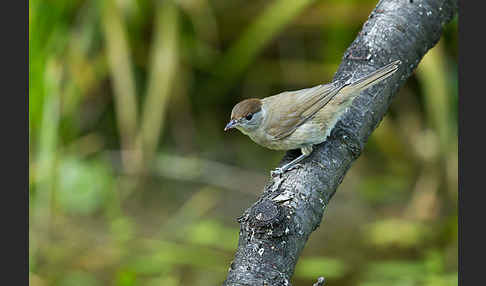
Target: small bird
x,y
302,118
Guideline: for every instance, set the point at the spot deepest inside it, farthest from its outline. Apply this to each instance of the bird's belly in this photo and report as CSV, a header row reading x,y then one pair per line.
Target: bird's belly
x,y
310,133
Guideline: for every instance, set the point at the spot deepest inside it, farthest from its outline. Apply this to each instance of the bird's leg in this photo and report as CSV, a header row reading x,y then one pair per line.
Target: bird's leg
x,y
306,151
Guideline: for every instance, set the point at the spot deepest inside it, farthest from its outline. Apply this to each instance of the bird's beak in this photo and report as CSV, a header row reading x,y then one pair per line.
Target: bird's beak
x,y
230,125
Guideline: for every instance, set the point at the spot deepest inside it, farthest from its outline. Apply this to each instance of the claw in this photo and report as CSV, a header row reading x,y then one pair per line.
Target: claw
x,y
279,171
294,166
276,173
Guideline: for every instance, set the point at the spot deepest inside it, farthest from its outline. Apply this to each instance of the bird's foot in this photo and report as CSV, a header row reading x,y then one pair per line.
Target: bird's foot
x,y
276,173
279,171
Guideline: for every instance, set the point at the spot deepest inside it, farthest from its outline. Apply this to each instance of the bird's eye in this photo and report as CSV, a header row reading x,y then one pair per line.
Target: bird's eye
x,y
248,117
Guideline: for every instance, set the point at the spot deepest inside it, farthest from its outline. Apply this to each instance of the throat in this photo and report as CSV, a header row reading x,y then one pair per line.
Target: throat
x,y
245,131
258,136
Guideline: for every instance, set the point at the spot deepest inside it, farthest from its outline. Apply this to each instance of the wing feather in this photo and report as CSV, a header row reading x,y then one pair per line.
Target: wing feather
x,y
296,108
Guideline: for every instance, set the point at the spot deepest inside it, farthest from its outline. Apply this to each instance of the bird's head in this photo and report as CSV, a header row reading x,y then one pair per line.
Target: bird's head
x,y
246,116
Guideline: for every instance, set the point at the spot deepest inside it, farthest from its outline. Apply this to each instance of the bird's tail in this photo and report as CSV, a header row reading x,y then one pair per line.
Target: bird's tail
x,y
374,77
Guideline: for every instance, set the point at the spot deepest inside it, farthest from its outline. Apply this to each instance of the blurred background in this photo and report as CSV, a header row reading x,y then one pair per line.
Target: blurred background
x,y
133,181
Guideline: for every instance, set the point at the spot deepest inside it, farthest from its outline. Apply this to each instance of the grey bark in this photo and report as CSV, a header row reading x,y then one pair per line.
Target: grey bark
x,y
274,230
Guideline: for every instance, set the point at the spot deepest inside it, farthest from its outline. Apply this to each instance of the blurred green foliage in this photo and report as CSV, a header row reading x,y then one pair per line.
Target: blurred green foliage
x,y
133,181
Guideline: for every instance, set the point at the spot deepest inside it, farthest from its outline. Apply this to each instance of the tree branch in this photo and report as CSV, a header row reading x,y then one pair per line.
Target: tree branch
x,y
275,229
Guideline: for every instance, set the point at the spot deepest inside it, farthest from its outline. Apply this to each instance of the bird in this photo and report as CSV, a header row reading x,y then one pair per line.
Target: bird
x,y
303,118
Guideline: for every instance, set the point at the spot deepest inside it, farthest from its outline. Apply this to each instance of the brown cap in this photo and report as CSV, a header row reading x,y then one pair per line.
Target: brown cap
x,y
245,107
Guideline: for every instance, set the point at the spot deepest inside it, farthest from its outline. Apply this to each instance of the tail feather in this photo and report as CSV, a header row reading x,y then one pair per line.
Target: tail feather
x,y
374,77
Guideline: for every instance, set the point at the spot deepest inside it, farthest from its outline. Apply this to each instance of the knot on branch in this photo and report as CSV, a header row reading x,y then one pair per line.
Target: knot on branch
x,y
265,214
266,219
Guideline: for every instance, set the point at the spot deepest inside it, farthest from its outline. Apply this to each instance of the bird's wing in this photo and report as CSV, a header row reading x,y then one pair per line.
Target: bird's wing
x,y
295,107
